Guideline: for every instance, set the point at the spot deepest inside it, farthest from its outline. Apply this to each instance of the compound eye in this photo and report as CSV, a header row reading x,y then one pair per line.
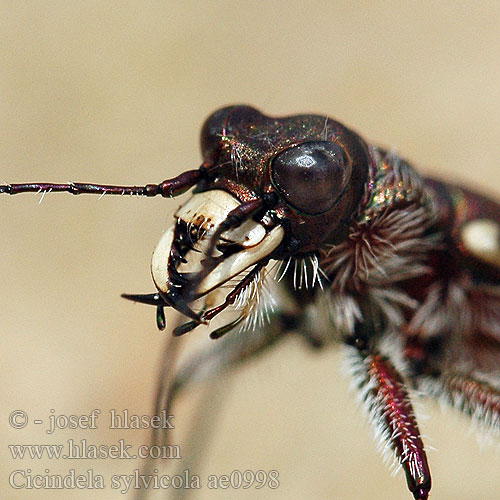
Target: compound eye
x,y
312,176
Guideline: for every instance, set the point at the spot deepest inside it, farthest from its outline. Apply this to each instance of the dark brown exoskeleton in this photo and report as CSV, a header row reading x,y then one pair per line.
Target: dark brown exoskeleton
x,y
300,226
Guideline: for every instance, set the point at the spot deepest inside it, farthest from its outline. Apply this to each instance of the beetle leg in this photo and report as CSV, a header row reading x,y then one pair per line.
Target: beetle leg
x,y
227,353
221,357
202,424
388,405
166,375
473,396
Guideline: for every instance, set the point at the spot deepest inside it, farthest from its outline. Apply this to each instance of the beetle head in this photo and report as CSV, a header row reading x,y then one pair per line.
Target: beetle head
x,y
269,188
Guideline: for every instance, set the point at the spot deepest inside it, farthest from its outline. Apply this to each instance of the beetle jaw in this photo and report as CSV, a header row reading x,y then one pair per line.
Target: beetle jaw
x,y
181,268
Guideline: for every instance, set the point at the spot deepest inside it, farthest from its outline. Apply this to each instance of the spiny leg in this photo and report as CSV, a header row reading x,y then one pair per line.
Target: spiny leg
x,y
464,372
386,399
469,394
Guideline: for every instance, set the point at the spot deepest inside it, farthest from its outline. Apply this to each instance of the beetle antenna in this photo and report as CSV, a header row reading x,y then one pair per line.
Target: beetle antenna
x,y
168,188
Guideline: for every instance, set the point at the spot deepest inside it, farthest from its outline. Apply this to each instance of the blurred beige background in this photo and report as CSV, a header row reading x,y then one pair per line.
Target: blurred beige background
x,y
115,92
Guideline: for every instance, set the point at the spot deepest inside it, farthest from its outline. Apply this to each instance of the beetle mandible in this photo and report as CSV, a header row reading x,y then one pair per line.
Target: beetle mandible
x,y
403,270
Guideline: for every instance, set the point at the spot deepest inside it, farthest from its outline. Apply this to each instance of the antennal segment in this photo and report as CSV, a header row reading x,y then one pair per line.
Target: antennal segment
x,y
167,188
